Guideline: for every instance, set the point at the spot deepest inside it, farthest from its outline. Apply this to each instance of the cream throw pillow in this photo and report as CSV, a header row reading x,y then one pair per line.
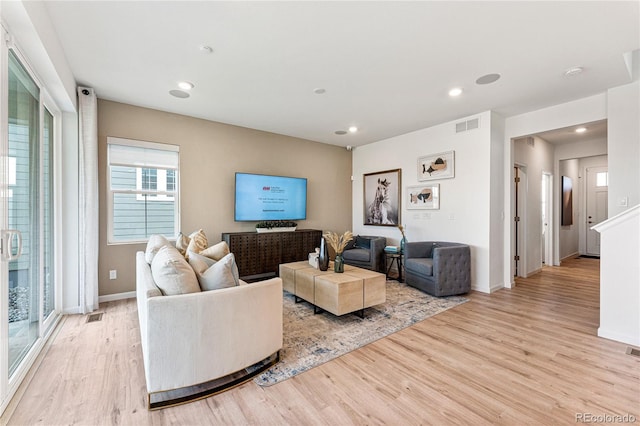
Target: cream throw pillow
x,y
156,242
182,242
217,251
197,242
172,274
200,262
222,274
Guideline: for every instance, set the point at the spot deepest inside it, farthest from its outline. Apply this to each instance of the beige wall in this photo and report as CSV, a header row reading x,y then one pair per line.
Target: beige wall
x,y
210,154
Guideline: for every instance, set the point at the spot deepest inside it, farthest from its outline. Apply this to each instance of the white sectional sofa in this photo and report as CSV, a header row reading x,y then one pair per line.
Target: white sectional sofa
x,y
199,343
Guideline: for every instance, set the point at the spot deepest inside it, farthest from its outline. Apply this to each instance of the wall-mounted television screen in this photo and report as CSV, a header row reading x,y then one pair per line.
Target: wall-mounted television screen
x,y
264,197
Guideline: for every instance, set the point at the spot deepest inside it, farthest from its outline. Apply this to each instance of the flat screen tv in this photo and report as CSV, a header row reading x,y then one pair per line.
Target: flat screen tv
x,y
263,197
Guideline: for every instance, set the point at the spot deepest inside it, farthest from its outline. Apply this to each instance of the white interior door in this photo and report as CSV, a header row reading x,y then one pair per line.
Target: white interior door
x,y
547,217
597,198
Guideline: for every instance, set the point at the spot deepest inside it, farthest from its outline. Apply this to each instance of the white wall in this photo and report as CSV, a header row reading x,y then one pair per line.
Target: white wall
x,y
570,234
624,147
620,277
497,215
465,200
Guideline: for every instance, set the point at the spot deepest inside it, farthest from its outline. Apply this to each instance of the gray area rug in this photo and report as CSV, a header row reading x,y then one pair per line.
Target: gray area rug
x,y
311,340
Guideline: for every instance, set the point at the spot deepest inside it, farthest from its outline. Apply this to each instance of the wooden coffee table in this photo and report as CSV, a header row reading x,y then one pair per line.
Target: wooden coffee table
x,y
351,291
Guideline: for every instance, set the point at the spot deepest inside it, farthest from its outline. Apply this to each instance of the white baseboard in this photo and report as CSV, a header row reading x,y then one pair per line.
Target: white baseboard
x,y
71,311
535,271
618,337
481,290
117,296
570,256
495,287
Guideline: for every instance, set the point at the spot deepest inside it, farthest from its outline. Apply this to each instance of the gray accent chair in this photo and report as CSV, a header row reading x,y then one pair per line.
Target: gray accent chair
x,y
438,268
366,252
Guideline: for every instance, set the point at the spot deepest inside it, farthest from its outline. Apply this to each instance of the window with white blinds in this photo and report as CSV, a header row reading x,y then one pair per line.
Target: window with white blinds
x,y
142,190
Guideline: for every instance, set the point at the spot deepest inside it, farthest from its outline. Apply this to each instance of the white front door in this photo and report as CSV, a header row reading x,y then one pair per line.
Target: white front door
x,y
597,199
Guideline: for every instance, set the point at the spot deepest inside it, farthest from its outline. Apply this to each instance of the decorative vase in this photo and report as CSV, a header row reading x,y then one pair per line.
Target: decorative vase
x,y
403,241
338,264
323,257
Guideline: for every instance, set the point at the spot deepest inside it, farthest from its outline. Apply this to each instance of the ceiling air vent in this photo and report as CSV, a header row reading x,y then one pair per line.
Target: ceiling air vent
x,y
463,126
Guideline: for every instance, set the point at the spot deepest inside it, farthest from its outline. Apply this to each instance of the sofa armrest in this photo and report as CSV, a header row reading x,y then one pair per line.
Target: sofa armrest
x,y
193,338
452,266
377,253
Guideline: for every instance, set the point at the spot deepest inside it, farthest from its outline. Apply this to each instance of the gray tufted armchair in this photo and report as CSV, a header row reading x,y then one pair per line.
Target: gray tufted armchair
x,y
366,252
438,268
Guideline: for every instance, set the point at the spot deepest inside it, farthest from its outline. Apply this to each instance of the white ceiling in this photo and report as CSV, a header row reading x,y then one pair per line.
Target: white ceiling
x,y
386,66
595,131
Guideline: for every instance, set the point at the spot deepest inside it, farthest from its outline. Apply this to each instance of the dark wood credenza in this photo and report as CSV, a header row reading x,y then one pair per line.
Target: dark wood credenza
x,y
259,254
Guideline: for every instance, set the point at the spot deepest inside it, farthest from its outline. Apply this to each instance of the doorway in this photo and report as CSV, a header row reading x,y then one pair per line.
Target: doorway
x,y
519,221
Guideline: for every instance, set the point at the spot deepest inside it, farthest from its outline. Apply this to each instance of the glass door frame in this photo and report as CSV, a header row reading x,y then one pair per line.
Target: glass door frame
x,y
9,385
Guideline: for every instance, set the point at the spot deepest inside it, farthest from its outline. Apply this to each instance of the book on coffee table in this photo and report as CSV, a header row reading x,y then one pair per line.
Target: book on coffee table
x,y
392,249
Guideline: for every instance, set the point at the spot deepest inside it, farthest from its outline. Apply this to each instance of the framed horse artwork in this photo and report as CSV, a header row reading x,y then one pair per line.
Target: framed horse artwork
x,y
382,192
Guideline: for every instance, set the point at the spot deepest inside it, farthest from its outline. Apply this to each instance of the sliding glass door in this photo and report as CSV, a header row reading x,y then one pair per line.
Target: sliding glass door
x,y
26,212
23,206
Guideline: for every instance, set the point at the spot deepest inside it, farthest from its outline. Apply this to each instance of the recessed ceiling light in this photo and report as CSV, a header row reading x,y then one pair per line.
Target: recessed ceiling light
x,y
185,85
488,79
581,129
353,129
179,94
573,71
456,91
319,91
340,132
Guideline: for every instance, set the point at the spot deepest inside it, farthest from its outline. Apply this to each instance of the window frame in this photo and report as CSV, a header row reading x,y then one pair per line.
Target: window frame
x,y
161,194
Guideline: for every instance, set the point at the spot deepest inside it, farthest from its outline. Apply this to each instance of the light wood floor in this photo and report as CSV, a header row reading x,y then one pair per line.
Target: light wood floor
x,y
529,355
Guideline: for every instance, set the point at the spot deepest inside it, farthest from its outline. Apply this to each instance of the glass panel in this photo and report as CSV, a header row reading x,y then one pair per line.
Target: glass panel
x,y
123,177
136,216
171,180
23,209
602,179
150,179
47,225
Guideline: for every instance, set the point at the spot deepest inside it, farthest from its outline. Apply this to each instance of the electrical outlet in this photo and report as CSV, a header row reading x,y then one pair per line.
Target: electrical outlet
x,y
451,216
113,274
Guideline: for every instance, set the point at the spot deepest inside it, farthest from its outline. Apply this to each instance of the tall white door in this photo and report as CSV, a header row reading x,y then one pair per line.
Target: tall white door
x,y
597,195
